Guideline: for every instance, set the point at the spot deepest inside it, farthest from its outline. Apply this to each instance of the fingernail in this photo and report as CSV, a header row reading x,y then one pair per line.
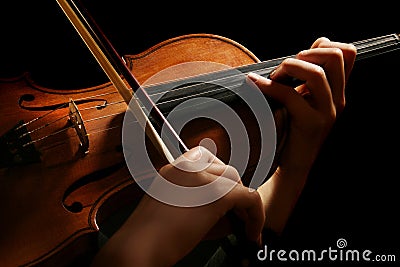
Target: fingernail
x,y
253,76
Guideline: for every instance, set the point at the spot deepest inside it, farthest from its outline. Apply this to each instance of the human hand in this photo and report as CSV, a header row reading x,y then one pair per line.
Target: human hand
x,y
161,234
314,105
313,108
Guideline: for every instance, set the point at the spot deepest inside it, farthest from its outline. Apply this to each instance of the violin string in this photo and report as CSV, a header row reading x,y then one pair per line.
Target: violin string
x,y
186,87
89,108
103,106
64,129
104,130
360,44
114,114
103,117
40,117
363,44
373,41
44,137
42,126
95,96
45,125
65,105
54,121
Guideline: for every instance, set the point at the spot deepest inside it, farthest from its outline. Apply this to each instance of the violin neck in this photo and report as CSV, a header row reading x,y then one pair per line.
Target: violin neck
x,y
365,49
377,46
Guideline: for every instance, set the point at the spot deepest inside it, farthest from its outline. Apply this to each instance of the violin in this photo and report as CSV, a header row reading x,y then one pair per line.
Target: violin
x,y
62,162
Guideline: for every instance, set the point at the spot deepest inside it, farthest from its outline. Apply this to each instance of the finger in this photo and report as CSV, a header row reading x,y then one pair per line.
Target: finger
x,y
314,77
203,154
349,52
224,178
319,41
331,59
213,165
288,96
226,171
196,159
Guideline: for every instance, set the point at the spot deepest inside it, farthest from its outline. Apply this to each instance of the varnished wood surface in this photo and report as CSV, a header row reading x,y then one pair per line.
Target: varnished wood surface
x,y
352,190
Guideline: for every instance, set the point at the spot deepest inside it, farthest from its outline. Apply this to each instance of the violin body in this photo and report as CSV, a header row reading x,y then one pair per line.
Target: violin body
x,y
53,202
60,179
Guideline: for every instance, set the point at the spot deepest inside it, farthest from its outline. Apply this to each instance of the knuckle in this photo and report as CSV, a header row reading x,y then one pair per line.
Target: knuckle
x,y
319,72
337,52
351,49
287,62
321,41
233,173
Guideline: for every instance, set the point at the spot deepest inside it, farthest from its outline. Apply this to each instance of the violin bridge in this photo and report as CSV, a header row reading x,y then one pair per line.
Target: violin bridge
x,y
76,120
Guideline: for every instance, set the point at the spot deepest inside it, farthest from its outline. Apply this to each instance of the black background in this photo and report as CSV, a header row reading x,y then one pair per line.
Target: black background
x,y
352,192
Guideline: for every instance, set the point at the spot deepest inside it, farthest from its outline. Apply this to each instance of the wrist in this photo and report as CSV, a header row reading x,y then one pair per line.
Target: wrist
x,y
279,195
